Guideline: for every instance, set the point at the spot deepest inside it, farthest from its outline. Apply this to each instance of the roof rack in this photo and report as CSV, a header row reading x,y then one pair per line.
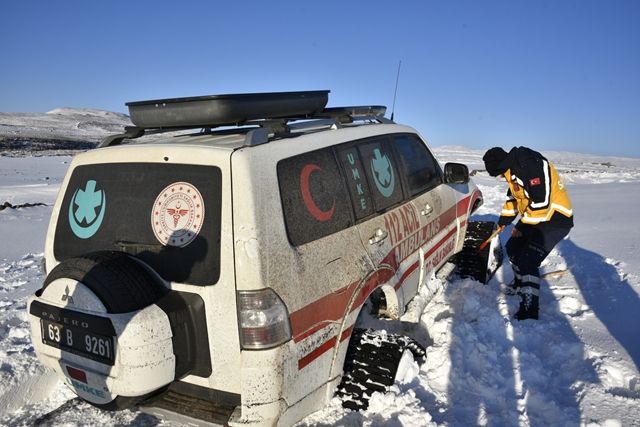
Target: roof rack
x,y
263,113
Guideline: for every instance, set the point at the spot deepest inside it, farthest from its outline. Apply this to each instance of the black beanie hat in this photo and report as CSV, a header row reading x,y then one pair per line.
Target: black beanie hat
x,y
492,159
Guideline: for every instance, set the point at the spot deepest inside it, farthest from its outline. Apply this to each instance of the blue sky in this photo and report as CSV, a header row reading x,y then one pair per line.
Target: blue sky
x,y
560,75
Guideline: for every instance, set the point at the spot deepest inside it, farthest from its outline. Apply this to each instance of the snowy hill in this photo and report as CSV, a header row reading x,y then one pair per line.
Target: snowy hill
x,y
577,365
59,129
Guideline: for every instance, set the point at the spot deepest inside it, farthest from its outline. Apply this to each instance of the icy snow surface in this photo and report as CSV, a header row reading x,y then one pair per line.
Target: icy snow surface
x,y
577,365
22,133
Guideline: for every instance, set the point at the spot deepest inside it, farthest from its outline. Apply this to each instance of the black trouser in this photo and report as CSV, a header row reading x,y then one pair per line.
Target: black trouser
x,y
527,252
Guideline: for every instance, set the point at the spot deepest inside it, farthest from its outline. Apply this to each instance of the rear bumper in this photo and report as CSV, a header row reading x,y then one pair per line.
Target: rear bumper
x,y
189,404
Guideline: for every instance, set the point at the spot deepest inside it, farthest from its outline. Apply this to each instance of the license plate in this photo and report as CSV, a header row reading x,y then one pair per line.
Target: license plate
x,y
78,341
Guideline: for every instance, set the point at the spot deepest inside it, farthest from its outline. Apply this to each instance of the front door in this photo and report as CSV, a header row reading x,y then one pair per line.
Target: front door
x,y
435,204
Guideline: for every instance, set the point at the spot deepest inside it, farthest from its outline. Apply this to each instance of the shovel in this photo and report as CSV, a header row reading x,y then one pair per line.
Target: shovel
x,y
490,238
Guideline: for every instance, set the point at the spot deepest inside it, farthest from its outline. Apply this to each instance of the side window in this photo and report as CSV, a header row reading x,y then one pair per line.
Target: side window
x,y
314,198
356,181
421,169
382,173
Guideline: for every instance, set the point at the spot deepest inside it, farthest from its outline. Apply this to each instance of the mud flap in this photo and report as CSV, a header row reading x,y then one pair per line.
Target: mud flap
x,y
476,264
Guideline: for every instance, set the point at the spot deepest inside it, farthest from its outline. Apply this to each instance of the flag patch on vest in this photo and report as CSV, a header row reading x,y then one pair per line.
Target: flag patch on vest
x,y
534,181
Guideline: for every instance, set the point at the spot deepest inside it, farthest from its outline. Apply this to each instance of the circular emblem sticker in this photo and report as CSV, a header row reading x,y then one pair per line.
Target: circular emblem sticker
x,y
87,201
177,215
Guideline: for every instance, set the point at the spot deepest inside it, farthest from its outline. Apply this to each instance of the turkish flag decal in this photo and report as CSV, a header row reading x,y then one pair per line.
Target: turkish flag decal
x,y
534,181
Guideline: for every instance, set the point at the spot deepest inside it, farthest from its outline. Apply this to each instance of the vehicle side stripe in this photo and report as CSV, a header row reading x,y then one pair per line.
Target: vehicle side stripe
x,y
463,205
312,331
426,256
327,310
361,298
331,307
326,346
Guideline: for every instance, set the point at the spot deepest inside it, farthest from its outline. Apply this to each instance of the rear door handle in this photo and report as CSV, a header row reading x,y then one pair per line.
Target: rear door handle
x,y
428,210
378,237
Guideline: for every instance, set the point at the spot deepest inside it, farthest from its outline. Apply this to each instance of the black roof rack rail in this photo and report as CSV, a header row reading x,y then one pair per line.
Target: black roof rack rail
x,y
270,111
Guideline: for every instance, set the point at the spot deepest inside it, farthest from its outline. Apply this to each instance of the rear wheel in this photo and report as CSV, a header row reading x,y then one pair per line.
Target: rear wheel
x,y
375,359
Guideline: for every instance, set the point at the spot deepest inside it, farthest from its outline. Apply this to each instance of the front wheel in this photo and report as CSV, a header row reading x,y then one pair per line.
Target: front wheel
x,y
479,264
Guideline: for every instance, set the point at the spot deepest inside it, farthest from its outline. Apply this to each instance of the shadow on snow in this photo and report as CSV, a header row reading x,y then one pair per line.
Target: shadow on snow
x,y
504,372
612,299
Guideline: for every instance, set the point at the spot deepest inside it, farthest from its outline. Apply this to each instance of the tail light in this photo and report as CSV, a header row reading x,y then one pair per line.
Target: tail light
x,y
263,318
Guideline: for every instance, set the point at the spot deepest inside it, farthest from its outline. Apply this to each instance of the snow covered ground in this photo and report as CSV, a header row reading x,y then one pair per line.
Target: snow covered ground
x,y
577,365
22,133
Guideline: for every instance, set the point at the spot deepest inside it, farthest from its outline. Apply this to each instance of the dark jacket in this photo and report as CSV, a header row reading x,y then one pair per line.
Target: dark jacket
x,y
536,191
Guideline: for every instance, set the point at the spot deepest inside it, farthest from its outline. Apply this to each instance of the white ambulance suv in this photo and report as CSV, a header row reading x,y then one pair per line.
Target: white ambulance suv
x,y
215,276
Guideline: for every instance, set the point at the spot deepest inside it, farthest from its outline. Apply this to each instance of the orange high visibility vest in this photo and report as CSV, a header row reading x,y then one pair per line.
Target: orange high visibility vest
x,y
555,198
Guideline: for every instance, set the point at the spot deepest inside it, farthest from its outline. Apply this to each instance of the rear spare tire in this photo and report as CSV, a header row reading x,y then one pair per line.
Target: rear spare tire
x,y
121,283
97,322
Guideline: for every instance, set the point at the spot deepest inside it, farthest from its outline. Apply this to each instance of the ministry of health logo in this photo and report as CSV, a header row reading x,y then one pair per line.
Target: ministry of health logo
x,y
177,215
83,218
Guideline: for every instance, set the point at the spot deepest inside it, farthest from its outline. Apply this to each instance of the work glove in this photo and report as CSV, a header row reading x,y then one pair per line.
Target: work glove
x,y
505,220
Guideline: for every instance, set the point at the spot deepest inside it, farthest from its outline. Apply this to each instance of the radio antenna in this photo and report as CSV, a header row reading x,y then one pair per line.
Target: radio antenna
x,y
395,93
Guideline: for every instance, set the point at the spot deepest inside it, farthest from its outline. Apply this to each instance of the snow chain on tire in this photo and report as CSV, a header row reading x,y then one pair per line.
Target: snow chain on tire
x,y
371,364
478,265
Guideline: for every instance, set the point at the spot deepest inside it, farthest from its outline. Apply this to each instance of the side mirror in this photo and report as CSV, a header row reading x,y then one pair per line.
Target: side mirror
x,y
456,173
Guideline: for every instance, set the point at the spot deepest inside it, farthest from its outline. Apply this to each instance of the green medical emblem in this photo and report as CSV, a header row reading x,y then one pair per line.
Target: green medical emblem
x,y
383,175
87,201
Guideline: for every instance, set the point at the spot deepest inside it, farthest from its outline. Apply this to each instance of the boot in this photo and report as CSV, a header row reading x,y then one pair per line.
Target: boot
x,y
529,303
512,288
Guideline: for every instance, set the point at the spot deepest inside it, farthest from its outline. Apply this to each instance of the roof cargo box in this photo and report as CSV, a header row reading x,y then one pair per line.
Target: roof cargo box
x,y
219,110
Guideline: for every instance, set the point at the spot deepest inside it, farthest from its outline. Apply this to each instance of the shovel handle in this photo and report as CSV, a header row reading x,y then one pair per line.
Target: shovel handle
x,y
490,238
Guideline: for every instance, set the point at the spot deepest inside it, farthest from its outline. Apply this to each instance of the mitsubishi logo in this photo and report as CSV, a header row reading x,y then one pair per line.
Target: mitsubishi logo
x,y
66,296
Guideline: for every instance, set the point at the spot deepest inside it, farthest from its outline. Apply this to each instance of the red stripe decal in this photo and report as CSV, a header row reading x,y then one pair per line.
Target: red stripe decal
x,y
415,265
311,331
326,346
327,310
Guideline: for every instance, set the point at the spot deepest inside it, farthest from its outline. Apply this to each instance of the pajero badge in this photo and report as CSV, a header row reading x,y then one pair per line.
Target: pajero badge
x,y
177,215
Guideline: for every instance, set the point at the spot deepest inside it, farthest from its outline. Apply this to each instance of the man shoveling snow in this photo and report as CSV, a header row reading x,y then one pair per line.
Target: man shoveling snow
x,y
537,194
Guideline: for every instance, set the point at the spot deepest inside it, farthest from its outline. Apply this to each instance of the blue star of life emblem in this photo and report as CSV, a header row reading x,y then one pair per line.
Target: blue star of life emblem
x,y
83,219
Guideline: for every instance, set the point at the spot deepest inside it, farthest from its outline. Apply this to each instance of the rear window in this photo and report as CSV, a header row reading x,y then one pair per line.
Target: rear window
x,y
314,198
166,215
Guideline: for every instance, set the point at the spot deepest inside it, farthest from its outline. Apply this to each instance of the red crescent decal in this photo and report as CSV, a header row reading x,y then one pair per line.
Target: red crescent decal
x,y
310,204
